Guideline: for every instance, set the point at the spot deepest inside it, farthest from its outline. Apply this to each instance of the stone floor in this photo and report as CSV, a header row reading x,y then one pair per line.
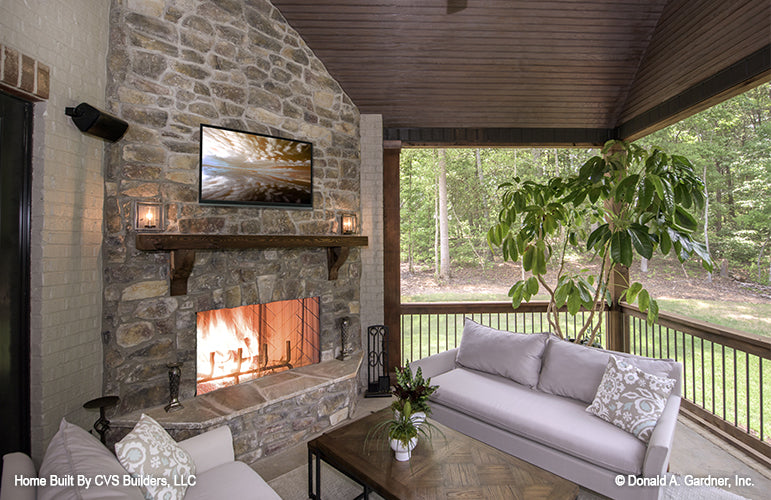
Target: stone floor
x,y
695,452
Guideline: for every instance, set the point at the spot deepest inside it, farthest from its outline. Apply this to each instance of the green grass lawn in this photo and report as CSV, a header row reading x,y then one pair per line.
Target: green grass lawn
x,y
744,316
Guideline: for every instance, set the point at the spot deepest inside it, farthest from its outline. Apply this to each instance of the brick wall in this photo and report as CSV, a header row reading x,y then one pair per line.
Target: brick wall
x,y
69,39
372,222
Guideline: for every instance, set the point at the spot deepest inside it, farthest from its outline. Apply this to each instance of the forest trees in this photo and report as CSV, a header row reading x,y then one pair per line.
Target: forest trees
x,y
731,142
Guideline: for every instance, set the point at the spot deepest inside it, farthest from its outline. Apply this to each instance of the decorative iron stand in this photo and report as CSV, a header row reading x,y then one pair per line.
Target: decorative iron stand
x,y
345,337
174,375
102,425
378,381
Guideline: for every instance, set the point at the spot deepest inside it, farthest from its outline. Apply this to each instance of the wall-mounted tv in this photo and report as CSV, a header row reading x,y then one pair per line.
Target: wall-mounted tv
x,y
245,168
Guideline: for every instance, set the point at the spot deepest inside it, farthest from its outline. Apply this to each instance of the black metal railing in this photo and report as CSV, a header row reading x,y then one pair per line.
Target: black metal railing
x,y
431,327
726,372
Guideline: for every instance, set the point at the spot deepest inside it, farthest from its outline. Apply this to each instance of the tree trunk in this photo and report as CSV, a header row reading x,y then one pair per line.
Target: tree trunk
x,y
444,233
643,264
490,257
706,218
436,233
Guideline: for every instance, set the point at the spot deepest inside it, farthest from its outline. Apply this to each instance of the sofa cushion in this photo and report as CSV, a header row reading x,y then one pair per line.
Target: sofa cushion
x,y
149,451
230,480
74,452
631,399
516,356
556,422
574,371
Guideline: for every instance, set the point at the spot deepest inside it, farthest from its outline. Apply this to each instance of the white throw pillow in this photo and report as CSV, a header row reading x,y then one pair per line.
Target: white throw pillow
x,y
151,456
630,398
74,453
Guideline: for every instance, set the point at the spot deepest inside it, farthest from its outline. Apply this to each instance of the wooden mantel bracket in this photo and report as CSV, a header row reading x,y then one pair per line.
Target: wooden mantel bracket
x,y
182,248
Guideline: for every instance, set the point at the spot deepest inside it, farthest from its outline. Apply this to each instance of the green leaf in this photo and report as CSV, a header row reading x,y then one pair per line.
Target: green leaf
x,y
528,258
645,195
621,248
685,220
665,242
516,293
625,189
539,266
532,285
584,291
511,246
657,185
599,235
653,312
633,291
574,302
641,241
561,293
643,300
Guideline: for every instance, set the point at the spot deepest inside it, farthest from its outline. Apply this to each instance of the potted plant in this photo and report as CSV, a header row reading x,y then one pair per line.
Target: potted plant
x,y
403,432
414,390
627,201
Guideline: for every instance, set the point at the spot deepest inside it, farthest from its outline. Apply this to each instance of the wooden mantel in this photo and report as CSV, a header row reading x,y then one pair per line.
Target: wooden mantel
x,y
182,248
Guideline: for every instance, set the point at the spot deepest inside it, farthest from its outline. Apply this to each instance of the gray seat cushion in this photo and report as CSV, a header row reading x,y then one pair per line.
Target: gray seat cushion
x,y
516,356
557,422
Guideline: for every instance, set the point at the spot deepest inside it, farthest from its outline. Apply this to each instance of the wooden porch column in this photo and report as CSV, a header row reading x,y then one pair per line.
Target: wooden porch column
x,y
391,253
618,282
618,332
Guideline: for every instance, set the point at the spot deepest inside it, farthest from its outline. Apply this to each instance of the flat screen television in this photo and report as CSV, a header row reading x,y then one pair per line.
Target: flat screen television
x,y
246,168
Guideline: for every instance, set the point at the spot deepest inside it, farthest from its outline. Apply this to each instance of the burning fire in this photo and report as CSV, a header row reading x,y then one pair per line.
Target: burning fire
x,y
243,343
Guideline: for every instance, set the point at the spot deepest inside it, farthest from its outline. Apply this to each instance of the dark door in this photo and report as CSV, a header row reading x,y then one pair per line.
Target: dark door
x,y
15,138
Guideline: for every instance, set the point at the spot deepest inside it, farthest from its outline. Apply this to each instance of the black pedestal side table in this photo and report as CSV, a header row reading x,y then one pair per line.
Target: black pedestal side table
x,y
102,425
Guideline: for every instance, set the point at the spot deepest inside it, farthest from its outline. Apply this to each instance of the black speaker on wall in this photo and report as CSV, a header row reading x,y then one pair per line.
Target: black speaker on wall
x,y
96,122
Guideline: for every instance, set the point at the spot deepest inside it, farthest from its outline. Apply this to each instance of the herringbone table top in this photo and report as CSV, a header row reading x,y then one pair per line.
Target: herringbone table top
x,y
454,466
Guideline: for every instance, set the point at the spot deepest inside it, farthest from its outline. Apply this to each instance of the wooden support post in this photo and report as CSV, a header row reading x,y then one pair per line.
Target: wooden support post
x,y
391,272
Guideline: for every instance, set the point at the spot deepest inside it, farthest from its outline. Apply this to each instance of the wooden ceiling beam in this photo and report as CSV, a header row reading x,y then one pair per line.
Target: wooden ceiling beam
x,y
498,137
733,80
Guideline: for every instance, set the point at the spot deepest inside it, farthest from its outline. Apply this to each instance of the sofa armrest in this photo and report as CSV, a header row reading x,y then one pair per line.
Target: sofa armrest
x,y
660,443
17,464
436,364
210,449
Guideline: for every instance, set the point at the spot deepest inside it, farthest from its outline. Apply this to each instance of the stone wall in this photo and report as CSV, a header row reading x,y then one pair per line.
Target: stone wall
x,y
173,65
70,40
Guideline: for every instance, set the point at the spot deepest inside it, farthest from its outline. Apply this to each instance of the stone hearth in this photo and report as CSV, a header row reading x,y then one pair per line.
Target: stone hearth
x,y
265,415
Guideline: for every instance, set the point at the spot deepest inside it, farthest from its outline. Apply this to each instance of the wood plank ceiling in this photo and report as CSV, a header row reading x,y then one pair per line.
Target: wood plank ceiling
x,y
527,64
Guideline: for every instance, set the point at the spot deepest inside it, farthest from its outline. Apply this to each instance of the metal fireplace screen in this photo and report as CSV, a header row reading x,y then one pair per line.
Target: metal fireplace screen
x,y
243,343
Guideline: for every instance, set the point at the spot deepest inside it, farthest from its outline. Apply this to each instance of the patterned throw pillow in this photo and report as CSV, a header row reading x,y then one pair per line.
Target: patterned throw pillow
x,y
161,467
630,398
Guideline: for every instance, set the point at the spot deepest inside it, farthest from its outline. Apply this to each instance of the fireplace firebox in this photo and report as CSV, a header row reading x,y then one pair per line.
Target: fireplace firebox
x,y
243,343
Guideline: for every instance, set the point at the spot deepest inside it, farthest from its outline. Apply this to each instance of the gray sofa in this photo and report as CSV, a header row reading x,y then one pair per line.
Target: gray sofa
x,y
527,395
74,453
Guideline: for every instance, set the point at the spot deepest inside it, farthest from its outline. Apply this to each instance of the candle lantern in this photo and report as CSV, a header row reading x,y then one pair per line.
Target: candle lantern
x,y
148,216
348,224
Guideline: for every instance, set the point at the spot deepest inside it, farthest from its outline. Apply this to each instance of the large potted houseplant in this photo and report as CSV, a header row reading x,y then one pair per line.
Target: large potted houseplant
x,y
414,390
626,202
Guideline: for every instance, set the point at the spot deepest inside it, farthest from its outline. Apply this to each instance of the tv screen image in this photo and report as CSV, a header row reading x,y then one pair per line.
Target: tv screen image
x,y
245,168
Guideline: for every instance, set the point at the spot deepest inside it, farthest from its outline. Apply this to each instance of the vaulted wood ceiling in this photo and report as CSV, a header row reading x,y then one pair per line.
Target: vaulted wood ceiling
x,y
530,71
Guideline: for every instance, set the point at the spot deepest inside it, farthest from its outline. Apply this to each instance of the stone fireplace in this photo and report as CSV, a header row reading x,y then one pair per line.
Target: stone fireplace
x,y
235,64
172,65
239,344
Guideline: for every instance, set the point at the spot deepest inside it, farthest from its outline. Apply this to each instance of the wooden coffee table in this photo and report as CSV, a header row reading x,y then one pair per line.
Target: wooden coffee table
x,y
455,466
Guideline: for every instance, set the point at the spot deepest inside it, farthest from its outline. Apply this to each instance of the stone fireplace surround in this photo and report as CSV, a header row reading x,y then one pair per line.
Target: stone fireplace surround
x,y
173,64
